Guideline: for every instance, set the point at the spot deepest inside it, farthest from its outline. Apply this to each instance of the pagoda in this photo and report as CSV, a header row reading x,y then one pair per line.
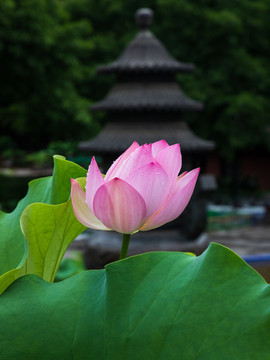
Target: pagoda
x,y
146,104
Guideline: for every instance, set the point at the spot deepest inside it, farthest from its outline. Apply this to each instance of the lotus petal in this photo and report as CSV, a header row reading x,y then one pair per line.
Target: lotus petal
x,y
94,181
119,206
152,182
176,202
119,162
171,160
139,158
81,210
158,146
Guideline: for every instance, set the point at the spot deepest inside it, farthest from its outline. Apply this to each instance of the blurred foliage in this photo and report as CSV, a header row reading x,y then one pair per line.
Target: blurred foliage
x,y
50,51
229,44
43,158
42,54
227,41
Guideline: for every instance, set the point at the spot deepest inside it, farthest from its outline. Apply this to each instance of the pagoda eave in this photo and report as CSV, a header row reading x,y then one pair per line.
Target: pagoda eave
x,y
155,107
142,67
147,96
116,138
146,54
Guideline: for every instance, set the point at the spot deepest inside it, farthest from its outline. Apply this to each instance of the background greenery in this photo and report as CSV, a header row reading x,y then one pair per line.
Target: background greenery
x,y
50,49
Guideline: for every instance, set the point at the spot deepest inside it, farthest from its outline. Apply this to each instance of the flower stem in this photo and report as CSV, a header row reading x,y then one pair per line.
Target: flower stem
x,y
124,248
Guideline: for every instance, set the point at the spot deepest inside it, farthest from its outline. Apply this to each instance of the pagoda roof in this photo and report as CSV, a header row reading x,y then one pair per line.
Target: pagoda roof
x,y
156,96
145,54
117,138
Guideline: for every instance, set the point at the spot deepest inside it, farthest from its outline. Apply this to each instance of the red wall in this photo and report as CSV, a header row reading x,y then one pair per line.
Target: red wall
x,y
257,166
212,165
252,165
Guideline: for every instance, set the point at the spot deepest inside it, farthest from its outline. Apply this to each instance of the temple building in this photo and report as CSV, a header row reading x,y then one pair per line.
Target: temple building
x,y
146,104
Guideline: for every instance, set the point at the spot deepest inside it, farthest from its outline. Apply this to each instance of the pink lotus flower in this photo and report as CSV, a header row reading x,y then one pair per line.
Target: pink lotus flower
x,y
141,190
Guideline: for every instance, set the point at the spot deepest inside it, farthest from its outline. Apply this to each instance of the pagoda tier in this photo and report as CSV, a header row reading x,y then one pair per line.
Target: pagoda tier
x,y
145,76
145,95
116,138
145,54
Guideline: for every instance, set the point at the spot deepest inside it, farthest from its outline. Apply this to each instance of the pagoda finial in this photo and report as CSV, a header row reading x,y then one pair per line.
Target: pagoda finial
x,y
144,18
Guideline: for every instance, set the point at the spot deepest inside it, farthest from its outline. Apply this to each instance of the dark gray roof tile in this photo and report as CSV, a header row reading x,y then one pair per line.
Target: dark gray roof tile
x,y
147,96
117,137
145,54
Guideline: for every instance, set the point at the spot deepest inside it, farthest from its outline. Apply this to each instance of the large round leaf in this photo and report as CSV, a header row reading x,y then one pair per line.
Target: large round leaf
x,y
162,306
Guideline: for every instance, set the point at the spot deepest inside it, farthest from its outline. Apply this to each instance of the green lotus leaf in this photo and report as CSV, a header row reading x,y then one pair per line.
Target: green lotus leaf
x,y
50,190
151,306
49,230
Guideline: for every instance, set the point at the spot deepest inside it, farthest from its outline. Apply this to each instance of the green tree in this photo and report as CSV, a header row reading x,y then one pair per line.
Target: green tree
x,y
229,44
42,56
227,41
51,51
